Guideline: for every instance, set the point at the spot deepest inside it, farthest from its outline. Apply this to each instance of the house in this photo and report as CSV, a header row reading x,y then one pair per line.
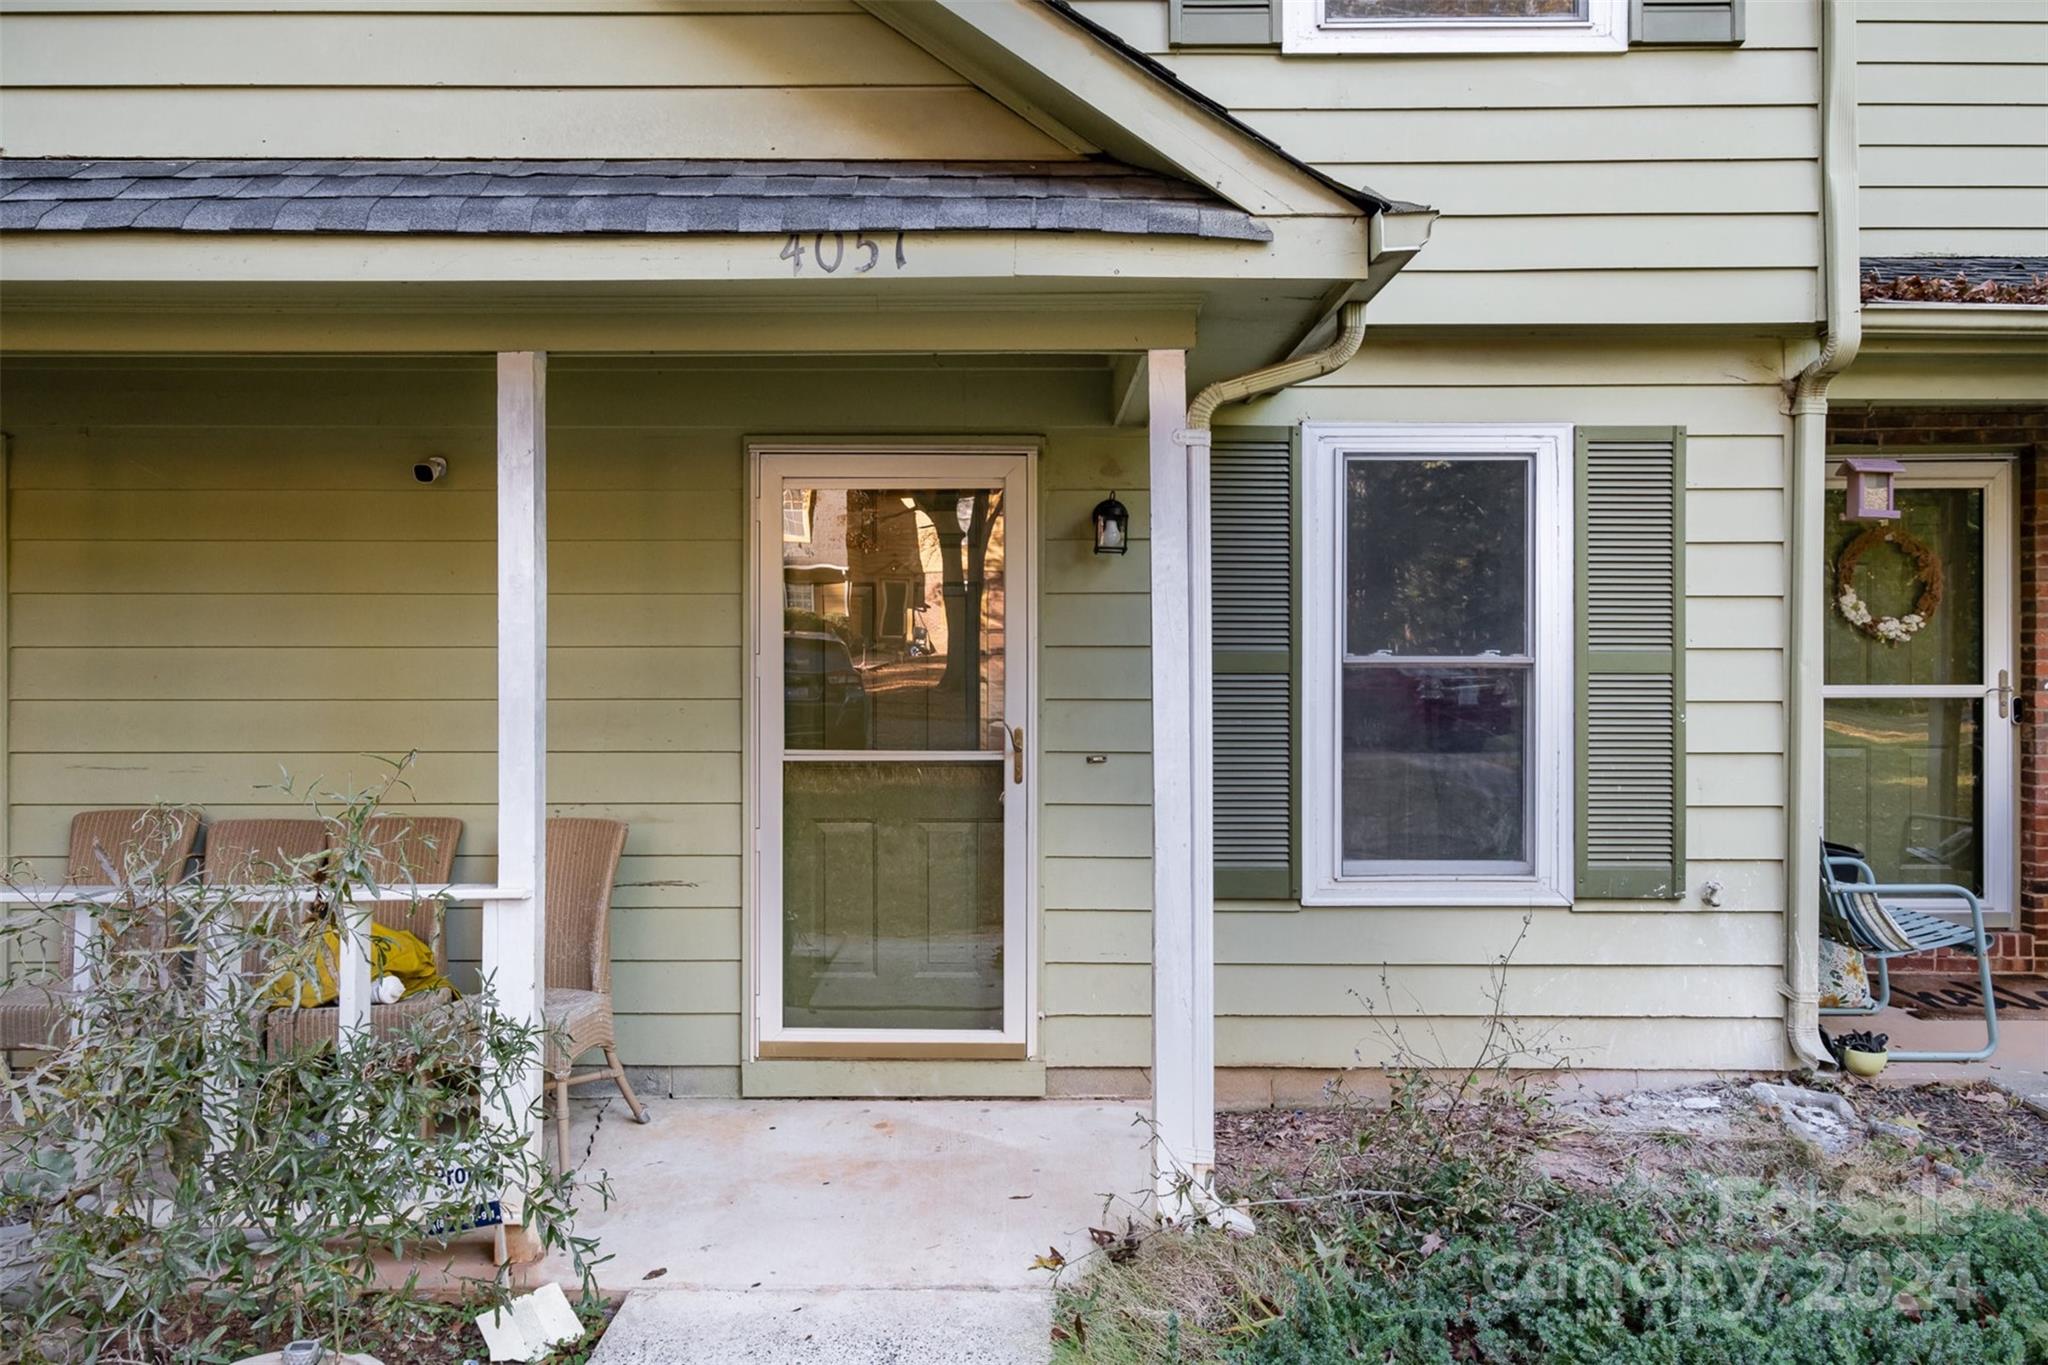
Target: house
x,y
1480,599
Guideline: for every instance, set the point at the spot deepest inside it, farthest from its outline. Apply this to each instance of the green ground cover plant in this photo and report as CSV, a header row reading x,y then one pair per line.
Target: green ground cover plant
x,y
1462,1216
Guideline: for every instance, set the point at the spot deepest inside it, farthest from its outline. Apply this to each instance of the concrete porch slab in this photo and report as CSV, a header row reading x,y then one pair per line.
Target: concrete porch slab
x,y
851,1194
831,1327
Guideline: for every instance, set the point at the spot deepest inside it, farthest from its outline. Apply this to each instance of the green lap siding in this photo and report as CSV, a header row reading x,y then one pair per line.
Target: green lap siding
x,y
221,568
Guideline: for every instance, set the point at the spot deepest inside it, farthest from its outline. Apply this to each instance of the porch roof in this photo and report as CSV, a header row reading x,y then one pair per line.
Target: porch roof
x,y
554,198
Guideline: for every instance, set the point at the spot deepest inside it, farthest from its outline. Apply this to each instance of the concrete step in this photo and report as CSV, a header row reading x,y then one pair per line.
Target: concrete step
x,y
830,1327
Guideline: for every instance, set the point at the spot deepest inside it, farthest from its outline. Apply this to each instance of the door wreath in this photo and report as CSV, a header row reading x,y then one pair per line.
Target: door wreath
x,y
1892,630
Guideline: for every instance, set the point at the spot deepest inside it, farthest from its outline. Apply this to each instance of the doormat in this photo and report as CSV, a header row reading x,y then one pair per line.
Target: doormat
x,y
1958,997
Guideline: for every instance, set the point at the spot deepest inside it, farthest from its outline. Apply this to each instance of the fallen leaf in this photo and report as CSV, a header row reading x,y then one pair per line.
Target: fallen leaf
x,y
1432,1244
655,1273
1052,1260
1102,1237
1020,1196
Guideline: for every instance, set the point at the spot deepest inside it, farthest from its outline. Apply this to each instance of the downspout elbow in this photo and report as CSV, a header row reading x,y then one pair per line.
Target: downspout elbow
x,y
1335,356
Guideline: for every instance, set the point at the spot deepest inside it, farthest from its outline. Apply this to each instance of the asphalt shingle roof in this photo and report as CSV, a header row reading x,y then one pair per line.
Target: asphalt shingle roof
x,y
548,198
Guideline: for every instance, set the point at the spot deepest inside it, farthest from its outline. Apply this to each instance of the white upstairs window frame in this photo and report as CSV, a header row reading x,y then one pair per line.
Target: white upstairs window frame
x,y
1548,782
1307,27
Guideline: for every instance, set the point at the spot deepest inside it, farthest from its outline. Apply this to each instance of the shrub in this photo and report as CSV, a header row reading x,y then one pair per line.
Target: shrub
x,y
164,1158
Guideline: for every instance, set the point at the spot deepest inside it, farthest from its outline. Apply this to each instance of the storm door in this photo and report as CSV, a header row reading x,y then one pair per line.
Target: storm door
x,y
1919,703
891,674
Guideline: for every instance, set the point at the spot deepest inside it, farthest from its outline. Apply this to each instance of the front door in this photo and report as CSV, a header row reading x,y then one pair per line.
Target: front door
x,y
1920,670
891,693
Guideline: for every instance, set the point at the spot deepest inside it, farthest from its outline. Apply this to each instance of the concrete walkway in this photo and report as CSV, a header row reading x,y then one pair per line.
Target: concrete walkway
x,y
855,1230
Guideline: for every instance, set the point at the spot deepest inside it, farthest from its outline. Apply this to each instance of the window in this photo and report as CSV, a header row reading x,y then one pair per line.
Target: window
x,y
796,516
1437,664
1454,25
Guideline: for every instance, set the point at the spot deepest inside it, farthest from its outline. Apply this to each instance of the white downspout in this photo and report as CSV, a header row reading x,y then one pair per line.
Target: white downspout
x,y
1806,485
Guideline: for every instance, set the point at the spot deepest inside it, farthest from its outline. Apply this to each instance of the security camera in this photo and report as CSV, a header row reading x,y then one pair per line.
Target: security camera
x,y
430,469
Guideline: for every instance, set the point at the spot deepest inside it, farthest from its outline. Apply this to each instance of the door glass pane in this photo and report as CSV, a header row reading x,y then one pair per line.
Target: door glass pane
x,y
1902,785
1433,761
892,895
1890,582
893,619
1436,556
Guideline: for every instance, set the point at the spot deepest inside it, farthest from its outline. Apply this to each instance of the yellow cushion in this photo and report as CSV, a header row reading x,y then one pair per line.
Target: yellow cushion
x,y
393,952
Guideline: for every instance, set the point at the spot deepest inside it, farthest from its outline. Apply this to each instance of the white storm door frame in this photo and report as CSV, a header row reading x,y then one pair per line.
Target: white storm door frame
x,y
867,465
1999,837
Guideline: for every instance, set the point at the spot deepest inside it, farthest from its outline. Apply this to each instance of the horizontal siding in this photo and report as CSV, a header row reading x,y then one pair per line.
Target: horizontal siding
x,y
619,80
220,573
1954,128
1294,984
1656,186
309,645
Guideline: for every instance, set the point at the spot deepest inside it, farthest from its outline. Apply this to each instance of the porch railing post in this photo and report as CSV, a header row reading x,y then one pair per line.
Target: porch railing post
x,y
1183,951
514,931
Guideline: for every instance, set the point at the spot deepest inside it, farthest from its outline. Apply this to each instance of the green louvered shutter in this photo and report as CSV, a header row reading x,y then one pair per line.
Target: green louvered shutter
x,y
1631,662
1253,616
1222,23
1685,23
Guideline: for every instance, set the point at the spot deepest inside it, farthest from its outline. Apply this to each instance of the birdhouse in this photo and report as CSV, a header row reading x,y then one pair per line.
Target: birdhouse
x,y
1873,488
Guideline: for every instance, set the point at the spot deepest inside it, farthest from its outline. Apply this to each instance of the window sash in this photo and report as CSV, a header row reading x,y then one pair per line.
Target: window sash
x,y
1328,877
1581,17
1306,26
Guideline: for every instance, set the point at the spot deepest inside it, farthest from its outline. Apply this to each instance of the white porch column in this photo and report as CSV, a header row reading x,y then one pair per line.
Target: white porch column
x,y
1183,880
514,931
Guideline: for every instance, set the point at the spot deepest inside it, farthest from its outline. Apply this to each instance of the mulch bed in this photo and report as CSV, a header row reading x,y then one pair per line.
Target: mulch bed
x,y
1969,1122
1960,997
1282,1142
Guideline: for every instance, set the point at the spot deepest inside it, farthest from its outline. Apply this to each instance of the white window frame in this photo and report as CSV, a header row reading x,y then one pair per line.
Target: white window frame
x,y
1325,446
1304,28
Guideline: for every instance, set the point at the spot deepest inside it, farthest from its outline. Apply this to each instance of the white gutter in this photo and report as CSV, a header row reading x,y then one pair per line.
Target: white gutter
x,y
1806,484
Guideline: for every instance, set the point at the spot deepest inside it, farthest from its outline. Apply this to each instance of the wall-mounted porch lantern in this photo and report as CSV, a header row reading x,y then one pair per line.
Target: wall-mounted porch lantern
x,y
1112,526
1872,489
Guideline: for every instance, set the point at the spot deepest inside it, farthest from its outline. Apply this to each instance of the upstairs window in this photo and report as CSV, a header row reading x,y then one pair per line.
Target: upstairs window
x,y
1454,25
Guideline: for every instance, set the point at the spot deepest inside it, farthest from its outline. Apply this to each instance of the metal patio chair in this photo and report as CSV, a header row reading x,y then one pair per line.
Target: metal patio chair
x,y
583,863
103,842
1853,912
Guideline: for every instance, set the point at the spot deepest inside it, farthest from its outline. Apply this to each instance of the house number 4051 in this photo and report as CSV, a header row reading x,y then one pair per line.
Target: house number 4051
x,y
828,251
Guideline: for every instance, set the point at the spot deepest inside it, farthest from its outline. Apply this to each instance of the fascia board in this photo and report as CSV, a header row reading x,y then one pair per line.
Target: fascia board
x,y
1051,72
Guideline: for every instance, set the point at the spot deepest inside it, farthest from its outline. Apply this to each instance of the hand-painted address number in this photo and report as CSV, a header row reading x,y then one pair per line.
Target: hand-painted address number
x,y
828,252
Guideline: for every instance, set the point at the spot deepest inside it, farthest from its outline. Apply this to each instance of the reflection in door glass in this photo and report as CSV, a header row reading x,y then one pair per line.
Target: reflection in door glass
x,y
893,616
1903,785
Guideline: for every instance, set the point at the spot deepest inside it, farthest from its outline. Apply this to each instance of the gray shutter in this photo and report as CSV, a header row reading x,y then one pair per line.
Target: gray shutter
x,y
1685,23
1254,615
1222,23
1631,662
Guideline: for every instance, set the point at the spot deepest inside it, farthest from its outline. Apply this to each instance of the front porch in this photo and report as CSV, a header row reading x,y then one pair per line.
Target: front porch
x,y
875,1194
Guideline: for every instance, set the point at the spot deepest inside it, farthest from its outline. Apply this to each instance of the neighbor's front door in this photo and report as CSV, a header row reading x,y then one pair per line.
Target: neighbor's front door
x,y
891,689
1919,706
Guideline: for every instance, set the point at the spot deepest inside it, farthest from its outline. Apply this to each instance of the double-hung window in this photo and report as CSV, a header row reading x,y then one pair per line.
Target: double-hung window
x,y
1454,25
1436,670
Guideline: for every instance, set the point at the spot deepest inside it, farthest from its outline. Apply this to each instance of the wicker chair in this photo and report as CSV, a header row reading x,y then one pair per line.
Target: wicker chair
x,y
583,862
100,840
409,850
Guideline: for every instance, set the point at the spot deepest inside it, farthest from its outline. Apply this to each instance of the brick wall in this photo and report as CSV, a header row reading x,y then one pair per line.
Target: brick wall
x,y
1900,432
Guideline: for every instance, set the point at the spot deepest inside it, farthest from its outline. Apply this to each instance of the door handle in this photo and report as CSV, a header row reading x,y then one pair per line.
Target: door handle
x,y
1017,754
2003,692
